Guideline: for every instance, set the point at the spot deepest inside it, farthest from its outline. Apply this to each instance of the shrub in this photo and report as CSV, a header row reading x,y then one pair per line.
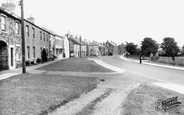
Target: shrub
x,y
38,60
28,63
110,53
55,57
32,62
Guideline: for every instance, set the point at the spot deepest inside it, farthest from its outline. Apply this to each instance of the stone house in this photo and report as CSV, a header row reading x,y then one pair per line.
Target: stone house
x,y
36,39
74,46
10,40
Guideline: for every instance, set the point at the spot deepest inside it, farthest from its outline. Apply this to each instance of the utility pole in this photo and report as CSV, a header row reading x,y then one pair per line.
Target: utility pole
x,y
23,37
80,47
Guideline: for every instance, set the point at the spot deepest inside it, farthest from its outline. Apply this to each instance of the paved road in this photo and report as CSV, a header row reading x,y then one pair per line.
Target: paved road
x,y
146,73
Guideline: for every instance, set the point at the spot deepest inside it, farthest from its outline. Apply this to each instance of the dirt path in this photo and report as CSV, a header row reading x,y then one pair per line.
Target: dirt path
x,y
106,99
112,104
77,105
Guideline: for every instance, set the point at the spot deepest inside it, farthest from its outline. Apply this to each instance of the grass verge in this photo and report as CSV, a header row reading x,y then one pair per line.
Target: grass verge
x,y
30,94
141,101
76,65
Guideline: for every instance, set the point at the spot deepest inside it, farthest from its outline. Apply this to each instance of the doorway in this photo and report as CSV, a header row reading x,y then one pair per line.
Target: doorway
x,y
3,56
11,57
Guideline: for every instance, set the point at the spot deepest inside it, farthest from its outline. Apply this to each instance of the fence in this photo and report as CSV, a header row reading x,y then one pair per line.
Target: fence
x,y
168,60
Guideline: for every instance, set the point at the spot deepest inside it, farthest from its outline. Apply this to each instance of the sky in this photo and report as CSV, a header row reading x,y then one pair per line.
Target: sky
x,y
112,20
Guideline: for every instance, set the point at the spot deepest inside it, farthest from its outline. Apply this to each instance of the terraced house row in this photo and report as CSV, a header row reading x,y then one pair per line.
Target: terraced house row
x,y
81,48
37,39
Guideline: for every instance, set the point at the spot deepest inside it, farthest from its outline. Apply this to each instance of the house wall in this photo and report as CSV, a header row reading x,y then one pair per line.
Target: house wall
x,y
71,47
11,41
59,47
96,50
52,46
77,50
66,47
84,50
91,50
37,42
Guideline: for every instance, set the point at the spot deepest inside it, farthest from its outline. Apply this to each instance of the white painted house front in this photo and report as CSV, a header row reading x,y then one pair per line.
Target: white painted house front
x,y
66,47
59,46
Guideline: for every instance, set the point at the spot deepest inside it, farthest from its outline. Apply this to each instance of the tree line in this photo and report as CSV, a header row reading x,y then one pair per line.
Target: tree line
x,y
149,47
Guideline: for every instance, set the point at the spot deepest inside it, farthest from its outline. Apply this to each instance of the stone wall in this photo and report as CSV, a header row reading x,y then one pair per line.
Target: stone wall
x,y
10,38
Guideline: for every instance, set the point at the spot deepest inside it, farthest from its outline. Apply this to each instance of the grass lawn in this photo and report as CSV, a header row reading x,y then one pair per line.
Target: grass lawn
x,y
141,101
77,65
34,94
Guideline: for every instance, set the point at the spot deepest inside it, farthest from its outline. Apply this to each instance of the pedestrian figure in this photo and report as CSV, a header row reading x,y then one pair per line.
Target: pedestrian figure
x,y
140,59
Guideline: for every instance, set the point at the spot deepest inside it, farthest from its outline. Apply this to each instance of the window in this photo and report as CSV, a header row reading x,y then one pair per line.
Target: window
x,y
47,37
34,52
40,35
43,36
33,32
27,30
28,52
17,30
18,54
3,23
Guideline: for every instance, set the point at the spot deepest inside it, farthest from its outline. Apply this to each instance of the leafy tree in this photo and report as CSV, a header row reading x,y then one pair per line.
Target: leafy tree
x,y
169,46
131,48
182,51
149,46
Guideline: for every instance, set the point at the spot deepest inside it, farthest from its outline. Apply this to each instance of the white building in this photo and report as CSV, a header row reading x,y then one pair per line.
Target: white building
x,y
66,47
59,42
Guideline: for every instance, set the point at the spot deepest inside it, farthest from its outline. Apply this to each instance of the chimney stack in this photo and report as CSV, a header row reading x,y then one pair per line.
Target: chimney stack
x,y
31,19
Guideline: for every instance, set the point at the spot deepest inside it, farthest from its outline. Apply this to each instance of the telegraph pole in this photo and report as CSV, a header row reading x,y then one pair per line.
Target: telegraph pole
x,y
23,37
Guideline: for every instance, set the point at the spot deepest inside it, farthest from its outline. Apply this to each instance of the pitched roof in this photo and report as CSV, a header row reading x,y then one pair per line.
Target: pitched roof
x,y
73,40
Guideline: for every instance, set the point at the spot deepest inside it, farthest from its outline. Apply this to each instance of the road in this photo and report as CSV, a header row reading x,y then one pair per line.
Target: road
x,y
146,73
114,96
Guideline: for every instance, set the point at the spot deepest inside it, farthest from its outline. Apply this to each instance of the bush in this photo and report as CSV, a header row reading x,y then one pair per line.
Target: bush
x,y
110,53
55,57
28,63
32,62
38,60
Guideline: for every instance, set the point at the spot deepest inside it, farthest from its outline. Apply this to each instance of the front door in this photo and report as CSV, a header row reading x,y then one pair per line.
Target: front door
x,y
12,57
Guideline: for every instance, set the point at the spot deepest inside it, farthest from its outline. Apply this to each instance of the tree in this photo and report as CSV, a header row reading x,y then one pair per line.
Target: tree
x,y
131,48
182,51
169,46
149,46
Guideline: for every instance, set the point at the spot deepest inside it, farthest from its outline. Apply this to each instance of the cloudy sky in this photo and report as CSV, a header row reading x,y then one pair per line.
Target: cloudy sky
x,y
113,20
